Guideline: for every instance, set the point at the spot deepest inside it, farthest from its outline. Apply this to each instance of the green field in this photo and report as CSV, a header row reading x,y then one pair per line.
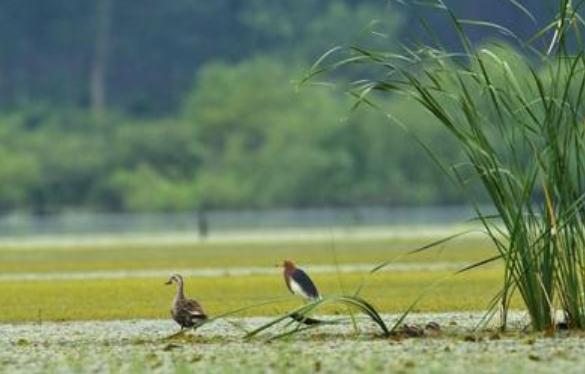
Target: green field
x,y
131,298
233,254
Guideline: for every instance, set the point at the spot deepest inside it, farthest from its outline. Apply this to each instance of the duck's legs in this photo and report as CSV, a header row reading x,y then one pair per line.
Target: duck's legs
x,y
176,335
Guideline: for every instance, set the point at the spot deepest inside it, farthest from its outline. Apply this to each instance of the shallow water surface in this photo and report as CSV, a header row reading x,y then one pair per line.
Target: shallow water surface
x,y
140,346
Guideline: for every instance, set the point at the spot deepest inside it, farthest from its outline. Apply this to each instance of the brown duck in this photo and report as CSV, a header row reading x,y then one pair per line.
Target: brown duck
x,y
186,312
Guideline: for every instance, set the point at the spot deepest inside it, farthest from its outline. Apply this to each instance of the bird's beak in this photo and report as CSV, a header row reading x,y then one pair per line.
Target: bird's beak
x,y
168,282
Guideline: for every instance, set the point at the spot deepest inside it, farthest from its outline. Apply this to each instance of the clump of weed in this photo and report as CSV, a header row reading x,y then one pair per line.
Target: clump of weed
x,y
517,109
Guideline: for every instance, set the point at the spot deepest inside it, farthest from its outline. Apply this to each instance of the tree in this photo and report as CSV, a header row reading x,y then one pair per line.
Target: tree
x,y
305,28
98,76
262,143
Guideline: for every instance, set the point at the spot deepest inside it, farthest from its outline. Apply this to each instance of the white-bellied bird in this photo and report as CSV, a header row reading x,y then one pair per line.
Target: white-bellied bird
x,y
298,282
186,312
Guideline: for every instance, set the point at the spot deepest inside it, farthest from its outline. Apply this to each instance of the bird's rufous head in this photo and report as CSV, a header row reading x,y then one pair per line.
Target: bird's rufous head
x,y
288,265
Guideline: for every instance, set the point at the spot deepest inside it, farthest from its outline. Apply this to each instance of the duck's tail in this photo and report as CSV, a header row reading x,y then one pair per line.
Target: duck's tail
x,y
198,320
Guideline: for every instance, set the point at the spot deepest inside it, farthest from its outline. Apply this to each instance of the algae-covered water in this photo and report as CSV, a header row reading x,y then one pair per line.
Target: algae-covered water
x,y
140,346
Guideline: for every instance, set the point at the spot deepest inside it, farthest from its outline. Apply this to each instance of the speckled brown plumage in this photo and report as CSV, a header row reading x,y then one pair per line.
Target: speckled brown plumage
x,y
186,312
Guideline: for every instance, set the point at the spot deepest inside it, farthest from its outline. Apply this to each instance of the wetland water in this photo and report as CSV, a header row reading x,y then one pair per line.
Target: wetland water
x,y
135,346
221,222
228,272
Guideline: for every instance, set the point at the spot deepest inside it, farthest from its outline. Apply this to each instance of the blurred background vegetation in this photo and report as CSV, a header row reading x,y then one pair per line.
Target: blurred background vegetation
x,y
182,105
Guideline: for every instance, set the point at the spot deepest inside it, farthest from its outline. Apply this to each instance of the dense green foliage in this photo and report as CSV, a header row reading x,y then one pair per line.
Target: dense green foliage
x,y
178,105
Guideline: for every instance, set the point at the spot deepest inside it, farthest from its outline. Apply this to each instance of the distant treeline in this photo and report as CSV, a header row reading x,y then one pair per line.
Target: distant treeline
x,y
183,104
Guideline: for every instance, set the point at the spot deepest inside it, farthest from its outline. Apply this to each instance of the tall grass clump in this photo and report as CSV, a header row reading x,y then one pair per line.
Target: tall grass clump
x,y
516,108
300,319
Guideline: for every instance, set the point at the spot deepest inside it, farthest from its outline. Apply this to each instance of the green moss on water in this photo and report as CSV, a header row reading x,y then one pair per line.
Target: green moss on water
x,y
61,300
132,298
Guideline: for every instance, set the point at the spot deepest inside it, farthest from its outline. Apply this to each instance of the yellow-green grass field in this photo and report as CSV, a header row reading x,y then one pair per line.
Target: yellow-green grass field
x,y
131,298
228,254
